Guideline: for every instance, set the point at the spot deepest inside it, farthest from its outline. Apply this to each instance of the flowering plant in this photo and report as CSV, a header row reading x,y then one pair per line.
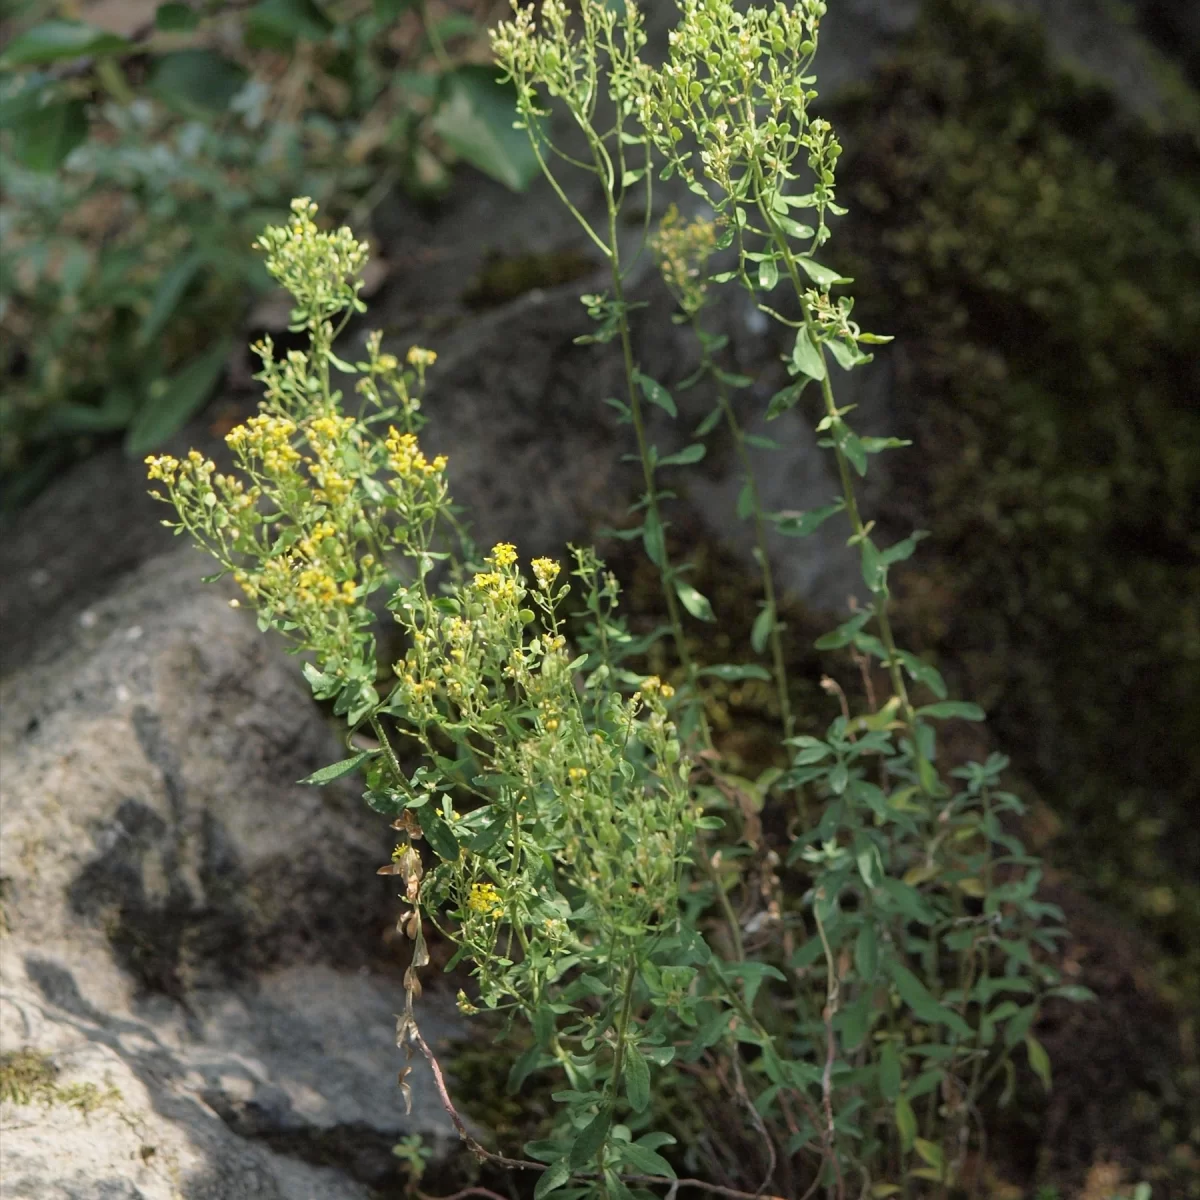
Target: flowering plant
x,y
881,945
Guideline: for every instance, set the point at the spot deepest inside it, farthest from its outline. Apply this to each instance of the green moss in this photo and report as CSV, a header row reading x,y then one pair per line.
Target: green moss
x,y
28,1076
1037,251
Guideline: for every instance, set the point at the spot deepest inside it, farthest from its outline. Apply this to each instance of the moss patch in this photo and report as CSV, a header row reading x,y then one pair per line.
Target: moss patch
x,y
28,1076
1037,253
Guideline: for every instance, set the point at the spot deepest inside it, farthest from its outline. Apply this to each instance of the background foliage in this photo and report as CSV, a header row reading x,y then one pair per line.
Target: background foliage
x,y
139,168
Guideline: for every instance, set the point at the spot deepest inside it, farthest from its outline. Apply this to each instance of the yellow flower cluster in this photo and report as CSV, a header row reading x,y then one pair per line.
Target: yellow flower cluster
x,y
162,466
406,459
485,900
320,586
655,686
267,438
545,571
310,546
419,358
496,586
503,554
682,252
577,774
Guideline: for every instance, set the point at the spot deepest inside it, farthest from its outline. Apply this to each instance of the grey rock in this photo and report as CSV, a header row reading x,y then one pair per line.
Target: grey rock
x,y
186,925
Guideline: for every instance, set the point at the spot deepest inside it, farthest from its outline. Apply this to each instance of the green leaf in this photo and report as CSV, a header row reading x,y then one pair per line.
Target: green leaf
x,y
654,540
806,358
184,395
288,20
802,524
866,953
953,708
906,1123
874,569
644,1161
1039,1060
796,229
475,119
522,1068
731,673
768,274
931,1152
338,769
821,276
53,41
655,393
171,287
847,354
889,1070
921,1001
693,601
390,10
761,630
196,82
589,1141
175,18
685,457
637,1079
844,634
552,1178
43,137
903,550
851,445
785,398
438,834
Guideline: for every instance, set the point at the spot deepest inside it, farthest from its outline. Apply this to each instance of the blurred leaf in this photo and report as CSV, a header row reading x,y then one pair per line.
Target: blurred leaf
x,y
761,630
184,395
53,41
1039,1060
731,672
693,601
176,18
685,457
289,19
475,119
389,10
43,137
196,79
166,298
21,94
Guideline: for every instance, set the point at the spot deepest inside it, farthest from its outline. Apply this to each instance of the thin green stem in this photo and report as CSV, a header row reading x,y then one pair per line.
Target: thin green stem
x,y
760,535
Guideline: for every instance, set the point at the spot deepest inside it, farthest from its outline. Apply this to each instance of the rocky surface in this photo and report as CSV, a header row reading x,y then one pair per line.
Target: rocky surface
x,y
187,929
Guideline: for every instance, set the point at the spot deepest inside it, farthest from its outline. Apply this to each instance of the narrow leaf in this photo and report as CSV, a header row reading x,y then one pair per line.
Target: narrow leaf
x,y
637,1079
655,393
694,601
338,769
685,457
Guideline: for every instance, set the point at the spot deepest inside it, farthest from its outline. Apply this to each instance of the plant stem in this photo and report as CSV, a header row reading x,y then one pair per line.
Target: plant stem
x,y
760,537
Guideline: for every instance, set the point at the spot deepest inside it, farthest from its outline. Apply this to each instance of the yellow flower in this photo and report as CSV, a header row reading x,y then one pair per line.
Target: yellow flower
x,y
485,899
504,554
417,357
577,774
163,467
545,571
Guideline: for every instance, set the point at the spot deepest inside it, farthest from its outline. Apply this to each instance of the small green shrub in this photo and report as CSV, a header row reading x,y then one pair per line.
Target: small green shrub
x,y
138,170
850,952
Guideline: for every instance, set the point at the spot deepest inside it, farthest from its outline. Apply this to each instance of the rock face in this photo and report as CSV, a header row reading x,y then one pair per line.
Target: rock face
x,y
185,928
